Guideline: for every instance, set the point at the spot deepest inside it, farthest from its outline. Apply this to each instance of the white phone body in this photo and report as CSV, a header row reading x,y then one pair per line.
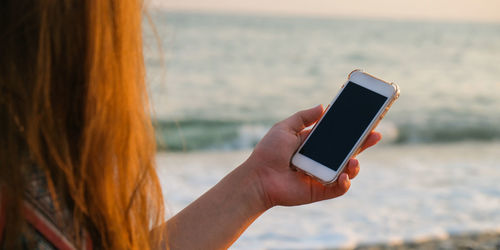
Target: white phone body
x,y
305,162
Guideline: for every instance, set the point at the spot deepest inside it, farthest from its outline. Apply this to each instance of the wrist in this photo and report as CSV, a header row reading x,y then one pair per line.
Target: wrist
x,y
255,187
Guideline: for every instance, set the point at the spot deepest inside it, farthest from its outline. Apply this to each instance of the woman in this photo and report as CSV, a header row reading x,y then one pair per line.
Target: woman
x,y
77,145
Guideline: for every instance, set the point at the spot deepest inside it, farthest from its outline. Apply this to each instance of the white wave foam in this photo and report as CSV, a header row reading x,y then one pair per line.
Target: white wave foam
x,y
410,192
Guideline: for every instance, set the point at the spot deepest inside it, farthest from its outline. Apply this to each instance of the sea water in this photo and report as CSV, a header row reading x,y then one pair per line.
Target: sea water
x,y
220,81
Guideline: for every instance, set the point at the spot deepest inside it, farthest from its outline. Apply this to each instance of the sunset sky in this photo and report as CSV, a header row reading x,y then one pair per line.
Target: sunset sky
x,y
453,10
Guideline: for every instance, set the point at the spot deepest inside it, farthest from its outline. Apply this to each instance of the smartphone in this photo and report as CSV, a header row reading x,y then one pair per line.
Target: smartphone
x,y
337,137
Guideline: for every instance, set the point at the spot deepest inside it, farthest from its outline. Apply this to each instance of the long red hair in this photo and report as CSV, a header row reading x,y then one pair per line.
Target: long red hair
x,y
73,101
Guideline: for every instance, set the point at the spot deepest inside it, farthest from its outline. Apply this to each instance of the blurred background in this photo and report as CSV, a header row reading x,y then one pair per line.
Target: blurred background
x,y
221,72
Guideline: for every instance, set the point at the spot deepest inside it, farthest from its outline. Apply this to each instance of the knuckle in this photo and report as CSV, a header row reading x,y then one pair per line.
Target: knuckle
x,y
277,125
298,115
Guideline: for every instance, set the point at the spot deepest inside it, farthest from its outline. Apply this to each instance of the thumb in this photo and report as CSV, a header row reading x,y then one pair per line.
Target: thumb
x,y
303,118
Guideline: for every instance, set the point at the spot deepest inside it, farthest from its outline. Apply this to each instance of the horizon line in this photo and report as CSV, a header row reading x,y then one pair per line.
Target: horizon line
x,y
277,14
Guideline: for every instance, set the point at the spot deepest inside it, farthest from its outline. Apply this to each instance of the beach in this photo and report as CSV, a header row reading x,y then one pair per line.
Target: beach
x,y
465,241
223,80
407,193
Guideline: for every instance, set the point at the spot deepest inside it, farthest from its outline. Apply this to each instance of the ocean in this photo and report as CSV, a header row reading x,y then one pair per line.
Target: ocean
x,y
218,82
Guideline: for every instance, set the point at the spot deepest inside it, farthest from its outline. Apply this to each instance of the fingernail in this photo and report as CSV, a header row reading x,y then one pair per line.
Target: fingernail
x,y
346,176
354,162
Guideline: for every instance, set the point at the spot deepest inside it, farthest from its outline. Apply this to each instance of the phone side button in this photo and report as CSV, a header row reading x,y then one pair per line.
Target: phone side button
x,y
385,112
378,121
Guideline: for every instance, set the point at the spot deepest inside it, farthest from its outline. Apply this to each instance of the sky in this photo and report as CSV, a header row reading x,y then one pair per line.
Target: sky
x,y
451,10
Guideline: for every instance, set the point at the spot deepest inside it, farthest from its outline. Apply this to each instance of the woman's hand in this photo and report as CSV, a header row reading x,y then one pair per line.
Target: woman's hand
x,y
265,179
279,183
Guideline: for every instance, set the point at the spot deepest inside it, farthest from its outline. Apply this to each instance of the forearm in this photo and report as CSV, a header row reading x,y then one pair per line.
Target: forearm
x,y
218,217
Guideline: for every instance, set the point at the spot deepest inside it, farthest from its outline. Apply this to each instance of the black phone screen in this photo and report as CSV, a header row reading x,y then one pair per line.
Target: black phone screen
x,y
343,125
